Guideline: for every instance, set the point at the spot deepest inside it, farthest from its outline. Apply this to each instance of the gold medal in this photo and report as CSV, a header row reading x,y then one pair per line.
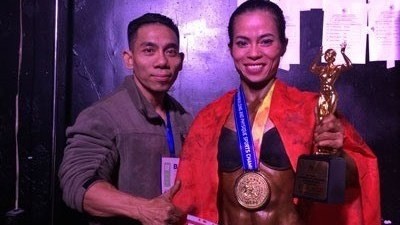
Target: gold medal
x,y
252,190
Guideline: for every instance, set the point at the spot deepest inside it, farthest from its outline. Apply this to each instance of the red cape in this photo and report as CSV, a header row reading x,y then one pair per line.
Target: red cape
x,y
292,112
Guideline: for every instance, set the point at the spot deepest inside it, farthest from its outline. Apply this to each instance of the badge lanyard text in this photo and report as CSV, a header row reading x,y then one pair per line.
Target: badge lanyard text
x,y
170,136
249,147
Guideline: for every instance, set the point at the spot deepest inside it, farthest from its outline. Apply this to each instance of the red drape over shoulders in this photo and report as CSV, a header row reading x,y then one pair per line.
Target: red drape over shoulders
x,y
292,112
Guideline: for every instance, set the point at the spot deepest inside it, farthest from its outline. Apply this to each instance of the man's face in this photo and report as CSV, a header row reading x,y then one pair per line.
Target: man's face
x,y
154,57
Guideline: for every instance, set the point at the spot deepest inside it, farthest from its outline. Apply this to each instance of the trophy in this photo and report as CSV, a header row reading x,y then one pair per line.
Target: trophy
x,y
322,176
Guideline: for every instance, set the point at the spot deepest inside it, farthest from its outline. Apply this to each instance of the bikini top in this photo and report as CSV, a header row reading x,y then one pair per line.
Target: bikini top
x,y
273,153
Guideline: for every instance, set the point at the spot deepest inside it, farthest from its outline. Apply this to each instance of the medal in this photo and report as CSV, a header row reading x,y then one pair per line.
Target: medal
x,y
252,190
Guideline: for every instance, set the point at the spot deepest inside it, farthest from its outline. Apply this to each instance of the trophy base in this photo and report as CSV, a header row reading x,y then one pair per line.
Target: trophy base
x,y
320,178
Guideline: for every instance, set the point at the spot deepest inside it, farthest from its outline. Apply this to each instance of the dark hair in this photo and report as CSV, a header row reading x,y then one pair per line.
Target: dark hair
x,y
252,5
150,18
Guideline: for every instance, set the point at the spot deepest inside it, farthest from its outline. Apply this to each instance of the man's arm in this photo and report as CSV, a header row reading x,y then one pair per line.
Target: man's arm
x,y
104,200
86,170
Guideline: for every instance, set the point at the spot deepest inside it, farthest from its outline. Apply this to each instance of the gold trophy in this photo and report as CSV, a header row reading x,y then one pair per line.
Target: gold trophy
x,y
322,175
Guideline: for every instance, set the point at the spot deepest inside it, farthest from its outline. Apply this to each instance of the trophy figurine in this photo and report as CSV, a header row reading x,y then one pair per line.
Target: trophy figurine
x,y
321,176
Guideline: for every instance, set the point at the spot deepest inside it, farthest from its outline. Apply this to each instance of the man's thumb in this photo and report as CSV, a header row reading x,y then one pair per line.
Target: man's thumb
x,y
173,190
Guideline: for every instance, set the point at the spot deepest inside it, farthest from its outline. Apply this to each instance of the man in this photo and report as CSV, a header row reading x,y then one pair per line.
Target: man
x,y
111,168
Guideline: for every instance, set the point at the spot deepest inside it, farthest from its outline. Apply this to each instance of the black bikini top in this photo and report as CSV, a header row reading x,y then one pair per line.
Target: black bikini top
x,y
273,153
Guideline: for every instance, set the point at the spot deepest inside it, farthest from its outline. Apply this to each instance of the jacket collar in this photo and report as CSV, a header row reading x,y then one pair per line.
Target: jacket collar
x,y
138,99
144,106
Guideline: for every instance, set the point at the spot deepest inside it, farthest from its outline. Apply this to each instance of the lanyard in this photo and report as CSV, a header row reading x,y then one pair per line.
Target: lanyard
x,y
170,136
249,147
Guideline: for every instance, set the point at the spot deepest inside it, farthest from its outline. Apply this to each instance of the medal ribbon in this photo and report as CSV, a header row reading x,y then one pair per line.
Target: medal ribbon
x,y
250,142
170,136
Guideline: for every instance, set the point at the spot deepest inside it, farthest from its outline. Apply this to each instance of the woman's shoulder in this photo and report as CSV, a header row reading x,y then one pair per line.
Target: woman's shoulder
x,y
292,92
220,103
217,109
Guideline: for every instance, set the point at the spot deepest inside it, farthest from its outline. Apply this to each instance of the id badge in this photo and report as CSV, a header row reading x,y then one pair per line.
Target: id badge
x,y
169,167
194,220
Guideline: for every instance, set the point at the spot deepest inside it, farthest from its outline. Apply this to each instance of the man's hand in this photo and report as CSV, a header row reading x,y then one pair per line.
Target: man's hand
x,y
329,133
104,200
160,210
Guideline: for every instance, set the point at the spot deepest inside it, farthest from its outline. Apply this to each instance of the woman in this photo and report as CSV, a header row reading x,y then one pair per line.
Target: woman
x,y
237,164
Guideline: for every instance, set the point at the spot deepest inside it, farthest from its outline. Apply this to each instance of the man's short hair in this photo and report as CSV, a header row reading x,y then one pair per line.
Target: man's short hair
x,y
150,18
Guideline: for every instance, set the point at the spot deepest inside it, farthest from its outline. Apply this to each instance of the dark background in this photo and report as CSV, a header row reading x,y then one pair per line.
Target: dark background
x,y
61,76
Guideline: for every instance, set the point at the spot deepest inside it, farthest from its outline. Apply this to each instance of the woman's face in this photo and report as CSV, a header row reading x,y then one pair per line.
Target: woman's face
x,y
256,48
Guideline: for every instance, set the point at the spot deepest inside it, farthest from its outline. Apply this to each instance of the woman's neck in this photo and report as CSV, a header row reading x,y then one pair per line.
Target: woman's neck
x,y
254,96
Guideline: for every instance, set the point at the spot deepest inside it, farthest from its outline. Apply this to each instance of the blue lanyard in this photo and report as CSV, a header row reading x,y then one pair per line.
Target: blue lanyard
x,y
243,131
170,136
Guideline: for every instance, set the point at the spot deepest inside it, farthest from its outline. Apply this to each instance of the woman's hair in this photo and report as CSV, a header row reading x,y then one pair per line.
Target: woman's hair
x,y
253,5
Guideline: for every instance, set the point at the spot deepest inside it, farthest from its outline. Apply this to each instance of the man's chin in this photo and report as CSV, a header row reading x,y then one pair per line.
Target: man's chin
x,y
162,88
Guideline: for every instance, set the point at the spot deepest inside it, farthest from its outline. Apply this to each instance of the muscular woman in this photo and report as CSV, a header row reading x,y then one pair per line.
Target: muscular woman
x,y
238,162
